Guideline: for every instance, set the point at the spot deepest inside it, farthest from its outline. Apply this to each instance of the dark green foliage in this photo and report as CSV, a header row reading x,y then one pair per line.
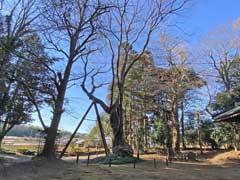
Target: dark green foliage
x,y
159,134
191,135
116,160
223,134
207,129
26,82
26,151
24,73
226,100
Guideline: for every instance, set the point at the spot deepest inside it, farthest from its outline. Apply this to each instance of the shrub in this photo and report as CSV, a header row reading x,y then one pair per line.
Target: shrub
x,y
25,151
117,160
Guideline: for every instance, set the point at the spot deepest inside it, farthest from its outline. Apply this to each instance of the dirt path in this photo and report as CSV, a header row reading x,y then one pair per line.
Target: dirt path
x,y
9,159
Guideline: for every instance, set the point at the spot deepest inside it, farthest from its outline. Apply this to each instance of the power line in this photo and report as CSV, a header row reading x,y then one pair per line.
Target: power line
x,y
167,64
87,119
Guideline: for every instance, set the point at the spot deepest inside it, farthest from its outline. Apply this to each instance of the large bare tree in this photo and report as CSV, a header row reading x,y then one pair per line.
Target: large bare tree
x,y
127,30
69,29
220,48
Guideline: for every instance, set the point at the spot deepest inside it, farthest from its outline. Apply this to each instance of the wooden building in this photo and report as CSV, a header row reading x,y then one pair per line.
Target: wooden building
x,y
231,116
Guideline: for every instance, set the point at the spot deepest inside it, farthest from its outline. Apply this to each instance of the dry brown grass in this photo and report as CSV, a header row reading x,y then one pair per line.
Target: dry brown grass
x,y
36,170
226,157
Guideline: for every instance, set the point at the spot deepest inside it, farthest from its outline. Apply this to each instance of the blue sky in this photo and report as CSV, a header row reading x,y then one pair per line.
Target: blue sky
x,y
201,17
206,15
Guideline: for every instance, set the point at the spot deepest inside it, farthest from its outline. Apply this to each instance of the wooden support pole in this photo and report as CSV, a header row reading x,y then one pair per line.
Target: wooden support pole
x,y
134,163
75,131
110,162
101,130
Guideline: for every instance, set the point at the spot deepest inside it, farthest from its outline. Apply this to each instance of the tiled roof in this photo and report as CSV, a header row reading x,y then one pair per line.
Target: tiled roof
x,y
232,113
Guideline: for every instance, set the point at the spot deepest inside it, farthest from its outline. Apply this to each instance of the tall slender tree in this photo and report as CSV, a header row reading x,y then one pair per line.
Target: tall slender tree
x,y
177,80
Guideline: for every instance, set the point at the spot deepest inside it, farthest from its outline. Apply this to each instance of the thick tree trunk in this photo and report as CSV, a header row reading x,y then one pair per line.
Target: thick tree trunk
x,y
175,125
169,143
49,146
120,147
4,132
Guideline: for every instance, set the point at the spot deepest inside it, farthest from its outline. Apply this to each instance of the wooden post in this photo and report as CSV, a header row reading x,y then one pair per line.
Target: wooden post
x,y
154,162
88,159
77,160
166,161
101,130
134,163
110,162
75,131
